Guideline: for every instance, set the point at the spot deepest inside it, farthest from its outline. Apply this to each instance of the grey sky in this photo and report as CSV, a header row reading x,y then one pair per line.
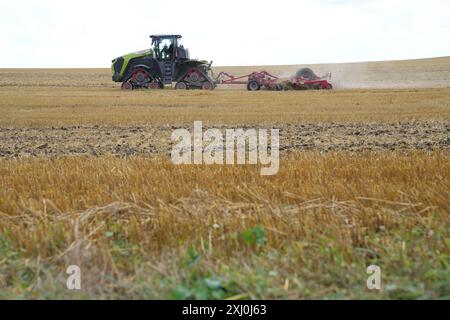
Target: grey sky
x,y
51,33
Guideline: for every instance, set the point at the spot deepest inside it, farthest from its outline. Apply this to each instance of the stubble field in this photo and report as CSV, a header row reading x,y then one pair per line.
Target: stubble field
x,y
364,178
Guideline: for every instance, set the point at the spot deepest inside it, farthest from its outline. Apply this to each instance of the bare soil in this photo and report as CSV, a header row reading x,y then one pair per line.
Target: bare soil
x,y
155,140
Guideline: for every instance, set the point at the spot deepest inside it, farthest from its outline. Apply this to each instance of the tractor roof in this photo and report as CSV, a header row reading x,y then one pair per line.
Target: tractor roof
x,y
165,36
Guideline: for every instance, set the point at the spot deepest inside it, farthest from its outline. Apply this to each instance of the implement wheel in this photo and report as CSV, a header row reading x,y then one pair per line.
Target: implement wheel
x,y
253,85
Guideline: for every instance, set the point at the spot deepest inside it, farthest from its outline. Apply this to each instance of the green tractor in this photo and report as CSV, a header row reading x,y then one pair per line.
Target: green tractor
x,y
166,62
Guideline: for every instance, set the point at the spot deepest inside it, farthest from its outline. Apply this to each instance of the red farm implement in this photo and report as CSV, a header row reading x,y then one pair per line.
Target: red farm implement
x,y
305,79
254,81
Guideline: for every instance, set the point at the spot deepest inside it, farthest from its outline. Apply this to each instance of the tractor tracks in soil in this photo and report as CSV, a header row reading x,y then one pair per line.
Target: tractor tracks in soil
x,y
153,140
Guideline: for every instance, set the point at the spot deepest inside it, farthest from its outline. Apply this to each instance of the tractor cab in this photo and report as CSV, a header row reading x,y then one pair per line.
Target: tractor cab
x,y
168,48
170,53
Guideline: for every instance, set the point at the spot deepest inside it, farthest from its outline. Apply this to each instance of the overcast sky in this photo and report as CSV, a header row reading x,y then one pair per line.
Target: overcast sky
x,y
90,33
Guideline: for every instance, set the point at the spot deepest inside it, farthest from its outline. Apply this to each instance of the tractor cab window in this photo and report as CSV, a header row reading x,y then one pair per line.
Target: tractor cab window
x,y
164,48
182,52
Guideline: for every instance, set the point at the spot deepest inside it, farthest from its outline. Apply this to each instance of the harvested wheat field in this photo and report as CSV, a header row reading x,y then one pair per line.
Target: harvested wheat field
x,y
364,179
